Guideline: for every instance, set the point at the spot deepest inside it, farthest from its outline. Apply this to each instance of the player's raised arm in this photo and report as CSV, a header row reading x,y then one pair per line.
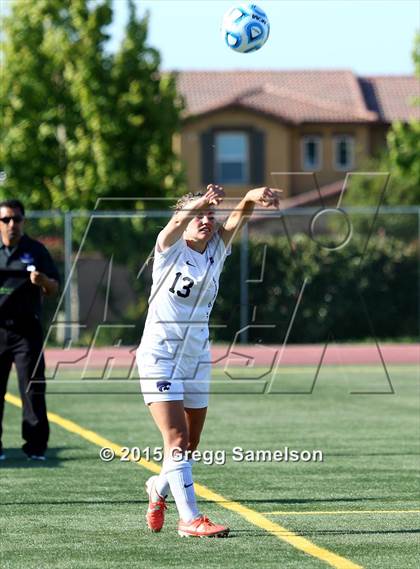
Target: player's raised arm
x,y
178,223
265,197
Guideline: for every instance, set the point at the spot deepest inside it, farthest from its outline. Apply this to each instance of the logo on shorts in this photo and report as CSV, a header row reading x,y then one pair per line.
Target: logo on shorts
x,y
163,385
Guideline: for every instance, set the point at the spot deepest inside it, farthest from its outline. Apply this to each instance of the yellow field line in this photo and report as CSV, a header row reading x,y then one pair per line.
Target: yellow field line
x,y
251,516
338,512
90,436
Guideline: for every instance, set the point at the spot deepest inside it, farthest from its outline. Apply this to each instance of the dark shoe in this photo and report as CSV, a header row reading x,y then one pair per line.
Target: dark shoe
x,y
33,452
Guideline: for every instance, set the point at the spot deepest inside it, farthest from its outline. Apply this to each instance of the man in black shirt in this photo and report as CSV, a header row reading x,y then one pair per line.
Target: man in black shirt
x,y
27,272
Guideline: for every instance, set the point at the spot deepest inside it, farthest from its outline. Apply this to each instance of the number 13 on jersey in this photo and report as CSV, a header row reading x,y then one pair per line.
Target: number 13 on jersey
x,y
186,288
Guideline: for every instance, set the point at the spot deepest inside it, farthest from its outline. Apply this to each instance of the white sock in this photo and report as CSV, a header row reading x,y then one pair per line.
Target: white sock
x,y
180,480
162,485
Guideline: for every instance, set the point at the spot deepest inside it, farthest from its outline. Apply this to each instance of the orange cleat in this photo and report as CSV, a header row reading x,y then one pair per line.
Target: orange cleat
x,y
201,527
155,515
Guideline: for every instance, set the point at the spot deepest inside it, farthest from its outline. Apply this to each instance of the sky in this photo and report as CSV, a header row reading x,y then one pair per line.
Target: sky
x,y
366,36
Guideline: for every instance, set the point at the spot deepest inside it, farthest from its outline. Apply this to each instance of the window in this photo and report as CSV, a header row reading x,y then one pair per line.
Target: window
x,y
343,153
231,158
311,153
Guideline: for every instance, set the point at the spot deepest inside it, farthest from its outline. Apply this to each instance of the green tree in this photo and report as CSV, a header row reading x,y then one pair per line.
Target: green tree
x,y
79,123
146,110
401,160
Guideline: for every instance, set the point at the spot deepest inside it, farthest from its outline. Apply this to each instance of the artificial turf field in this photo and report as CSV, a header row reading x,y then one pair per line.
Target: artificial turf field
x,y
360,503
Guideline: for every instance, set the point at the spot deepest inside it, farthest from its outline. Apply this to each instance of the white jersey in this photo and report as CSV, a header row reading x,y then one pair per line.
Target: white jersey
x,y
184,289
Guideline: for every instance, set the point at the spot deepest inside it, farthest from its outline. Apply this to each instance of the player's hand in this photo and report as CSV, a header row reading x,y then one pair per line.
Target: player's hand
x,y
38,278
214,195
266,197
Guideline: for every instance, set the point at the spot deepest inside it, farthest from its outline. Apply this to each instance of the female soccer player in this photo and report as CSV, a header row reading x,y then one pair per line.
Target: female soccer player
x,y
174,355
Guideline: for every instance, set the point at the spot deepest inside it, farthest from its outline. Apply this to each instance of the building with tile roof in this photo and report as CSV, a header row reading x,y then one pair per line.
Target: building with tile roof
x,y
250,128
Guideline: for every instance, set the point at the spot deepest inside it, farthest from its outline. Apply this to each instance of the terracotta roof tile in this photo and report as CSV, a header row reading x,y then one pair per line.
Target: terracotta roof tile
x,y
310,198
391,96
300,96
298,108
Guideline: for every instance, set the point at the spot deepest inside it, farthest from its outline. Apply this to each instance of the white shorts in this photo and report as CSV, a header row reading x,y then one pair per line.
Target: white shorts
x,y
165,378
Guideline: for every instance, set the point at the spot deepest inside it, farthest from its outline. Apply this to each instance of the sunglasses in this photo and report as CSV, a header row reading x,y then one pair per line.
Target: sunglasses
x,y
16,219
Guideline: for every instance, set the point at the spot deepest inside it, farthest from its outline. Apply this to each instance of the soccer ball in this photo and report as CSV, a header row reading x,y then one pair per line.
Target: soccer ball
x,y
245,28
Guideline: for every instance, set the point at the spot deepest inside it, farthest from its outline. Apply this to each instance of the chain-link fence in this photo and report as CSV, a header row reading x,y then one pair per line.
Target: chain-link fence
x,y
298,276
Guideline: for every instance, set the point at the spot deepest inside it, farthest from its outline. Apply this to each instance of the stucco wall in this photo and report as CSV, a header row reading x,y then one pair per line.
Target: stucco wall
x,y
277,146
283,152
327,173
